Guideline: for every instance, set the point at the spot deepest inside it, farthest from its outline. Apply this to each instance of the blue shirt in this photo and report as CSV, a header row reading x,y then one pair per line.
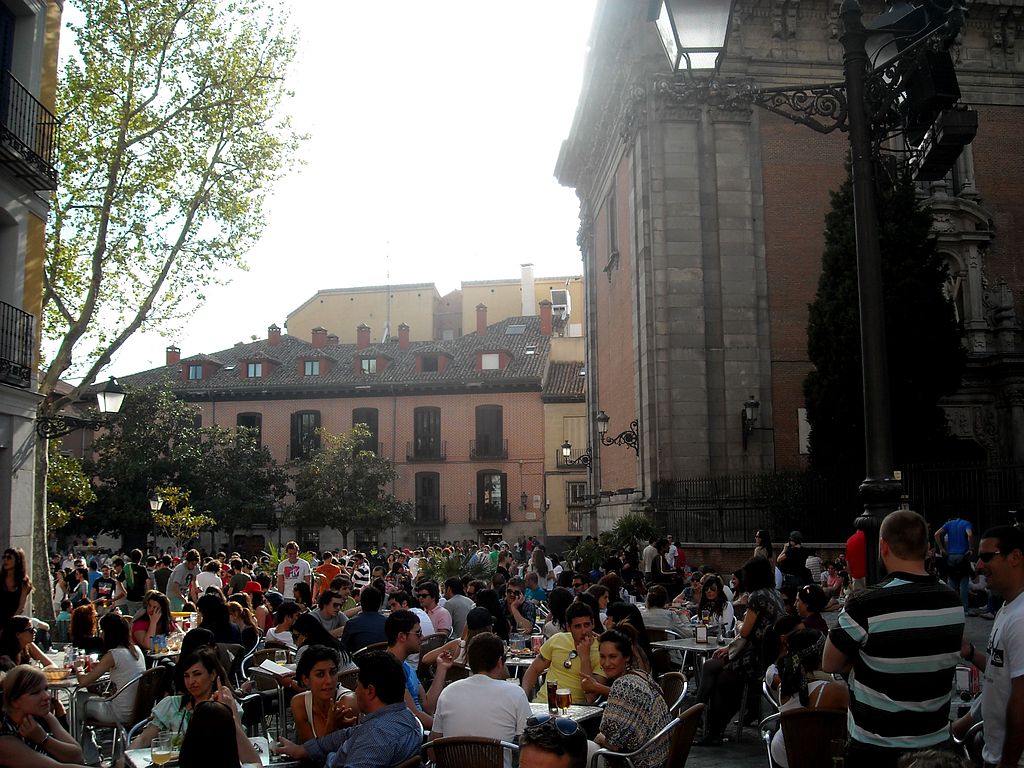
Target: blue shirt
x,y
412,682
363,630
956,536
384,738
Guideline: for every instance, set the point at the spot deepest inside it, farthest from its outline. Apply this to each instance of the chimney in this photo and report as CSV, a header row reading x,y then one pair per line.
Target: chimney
x,y
173,355
403,336
528,290
362,336
273,335
333,340
481,319
545,318
319,337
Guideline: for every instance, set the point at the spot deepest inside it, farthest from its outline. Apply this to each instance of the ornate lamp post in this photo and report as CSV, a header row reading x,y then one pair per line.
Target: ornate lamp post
x,y
629,437
109,399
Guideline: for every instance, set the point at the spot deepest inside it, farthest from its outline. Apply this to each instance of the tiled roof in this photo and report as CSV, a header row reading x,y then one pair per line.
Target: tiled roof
x,y
564,383
523,370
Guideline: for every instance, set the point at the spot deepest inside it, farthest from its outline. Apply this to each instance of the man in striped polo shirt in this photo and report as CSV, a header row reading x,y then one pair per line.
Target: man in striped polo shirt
x,y
900,641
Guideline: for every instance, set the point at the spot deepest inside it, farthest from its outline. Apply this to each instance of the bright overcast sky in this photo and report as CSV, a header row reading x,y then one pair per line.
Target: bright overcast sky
x,y
434,130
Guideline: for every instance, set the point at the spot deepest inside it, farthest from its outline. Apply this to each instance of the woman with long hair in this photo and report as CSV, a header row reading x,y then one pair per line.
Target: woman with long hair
x,y
319,710
307,631
721,615
810,602
636,709
78,586
213,615
242,617
303,595
488,598
156,620
60,588
124,661
204,743
84,629
30,734
17,643
559,599
540,565
763,546
15,585
729,668
627,613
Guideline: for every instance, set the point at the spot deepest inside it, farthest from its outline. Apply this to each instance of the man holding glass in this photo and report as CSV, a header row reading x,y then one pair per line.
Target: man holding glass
x,y
566,656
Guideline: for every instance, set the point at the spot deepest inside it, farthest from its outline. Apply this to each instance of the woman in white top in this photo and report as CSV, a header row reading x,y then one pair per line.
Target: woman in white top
x,y
803,684
124,661
319,710
721,614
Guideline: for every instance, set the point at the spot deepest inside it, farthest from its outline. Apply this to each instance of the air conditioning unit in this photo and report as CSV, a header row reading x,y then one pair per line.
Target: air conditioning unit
x,y
561,305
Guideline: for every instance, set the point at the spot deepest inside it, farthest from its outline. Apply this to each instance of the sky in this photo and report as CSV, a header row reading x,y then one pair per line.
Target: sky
x,y
434,128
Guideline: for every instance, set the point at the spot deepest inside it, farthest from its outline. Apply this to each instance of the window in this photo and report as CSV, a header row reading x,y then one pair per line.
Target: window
x,y
251,421
254,370
311,368
490,361
308,539
428,497
427,433
428,364
305,438
369,364
367,417
195,372
574,493
613,236
515,330
489,443
491,496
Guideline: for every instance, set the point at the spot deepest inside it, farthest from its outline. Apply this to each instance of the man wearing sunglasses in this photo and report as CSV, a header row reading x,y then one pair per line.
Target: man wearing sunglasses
x,y
519,612
552,742
900,640
568,655
1001,560
405,637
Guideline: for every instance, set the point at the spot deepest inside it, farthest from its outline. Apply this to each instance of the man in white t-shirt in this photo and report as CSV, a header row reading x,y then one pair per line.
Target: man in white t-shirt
x,y
670,556
484,704
1001,561
648,556
181,586
292,570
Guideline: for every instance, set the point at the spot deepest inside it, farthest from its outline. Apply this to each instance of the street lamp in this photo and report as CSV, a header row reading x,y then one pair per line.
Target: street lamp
x,y
630,437
869,103
582,460
109,399
156,502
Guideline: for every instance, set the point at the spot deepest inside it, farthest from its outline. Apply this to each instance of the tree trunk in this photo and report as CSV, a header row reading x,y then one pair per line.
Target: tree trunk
x,y
42,594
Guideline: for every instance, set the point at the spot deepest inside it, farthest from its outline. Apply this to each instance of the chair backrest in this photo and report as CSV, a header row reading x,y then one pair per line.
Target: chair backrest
x,y
349,679
811,735
469,752
430,643
61,631
770,695
413,762
457,672
661,662
656,635
673,688
371,647
152,686
682,736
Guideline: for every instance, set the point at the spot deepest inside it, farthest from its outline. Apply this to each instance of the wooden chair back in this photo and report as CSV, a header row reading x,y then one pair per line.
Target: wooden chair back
x,y
469,752
349,679
151,687
811,736
371,647
457,672
673,688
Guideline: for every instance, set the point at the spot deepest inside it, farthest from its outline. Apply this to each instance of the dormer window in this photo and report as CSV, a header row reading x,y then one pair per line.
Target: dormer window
x,y
195,372
369,364
490,361
254,370
311,368
429,364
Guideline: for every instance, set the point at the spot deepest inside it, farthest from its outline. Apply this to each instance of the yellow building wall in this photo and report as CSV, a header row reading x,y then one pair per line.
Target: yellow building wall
x,y
562,421
566,349
503,299
341,311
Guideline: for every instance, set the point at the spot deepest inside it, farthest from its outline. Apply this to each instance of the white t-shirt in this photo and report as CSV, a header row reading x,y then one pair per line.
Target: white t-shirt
x,y
207,579
1005,662
647,558
670,556
482,706
293,573
778,746
125,670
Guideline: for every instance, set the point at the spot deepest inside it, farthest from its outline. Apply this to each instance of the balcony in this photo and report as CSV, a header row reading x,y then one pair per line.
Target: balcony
x,y
28,135
578,458
17,333
426,449
489,514
431,513
488,448
371,447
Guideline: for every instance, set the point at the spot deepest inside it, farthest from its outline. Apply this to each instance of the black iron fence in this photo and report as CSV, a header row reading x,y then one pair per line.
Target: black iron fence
x,y
729,508
28,134
491,513
490,448
17,333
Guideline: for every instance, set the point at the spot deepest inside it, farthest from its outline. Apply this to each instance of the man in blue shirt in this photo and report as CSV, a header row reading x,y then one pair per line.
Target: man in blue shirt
x,y
387,732
368,626
955,541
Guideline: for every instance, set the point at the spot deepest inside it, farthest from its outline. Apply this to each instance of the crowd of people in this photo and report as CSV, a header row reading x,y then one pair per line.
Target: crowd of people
x,y
368,614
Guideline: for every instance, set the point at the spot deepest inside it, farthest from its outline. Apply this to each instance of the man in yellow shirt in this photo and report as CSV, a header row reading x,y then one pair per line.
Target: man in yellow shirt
x,y
567,655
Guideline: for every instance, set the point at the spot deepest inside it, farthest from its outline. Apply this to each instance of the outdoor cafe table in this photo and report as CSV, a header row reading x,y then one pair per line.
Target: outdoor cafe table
x,y
70,686
578,712
690,646
140,758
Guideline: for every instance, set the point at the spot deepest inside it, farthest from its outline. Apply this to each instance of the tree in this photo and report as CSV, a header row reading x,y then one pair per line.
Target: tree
x,y
181,523
343,487
169,146
68,489
925,355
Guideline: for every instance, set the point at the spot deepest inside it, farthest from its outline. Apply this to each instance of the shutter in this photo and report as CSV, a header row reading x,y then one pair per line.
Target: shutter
x,y
296,450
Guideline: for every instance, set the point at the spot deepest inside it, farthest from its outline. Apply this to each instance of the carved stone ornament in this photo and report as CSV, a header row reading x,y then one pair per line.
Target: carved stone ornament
x,y
632,112
973,422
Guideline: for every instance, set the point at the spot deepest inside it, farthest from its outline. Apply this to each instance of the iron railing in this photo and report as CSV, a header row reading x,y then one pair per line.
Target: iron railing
x,y
431,513
489,513
578,457
426,449
28,134
17,336
488,449
730,508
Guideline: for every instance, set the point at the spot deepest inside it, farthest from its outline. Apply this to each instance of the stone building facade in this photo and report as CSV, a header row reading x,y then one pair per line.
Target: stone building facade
x,y
702,234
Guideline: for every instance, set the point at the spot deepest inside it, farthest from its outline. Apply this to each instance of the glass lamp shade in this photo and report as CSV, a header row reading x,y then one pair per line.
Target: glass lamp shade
x,y
566,449
109,397
602,420
693,32
750,409
155,502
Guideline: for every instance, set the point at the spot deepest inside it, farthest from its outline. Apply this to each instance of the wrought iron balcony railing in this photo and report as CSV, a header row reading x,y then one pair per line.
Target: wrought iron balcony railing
x,y
490,448
28,135
426,449
489,513
17,334
431,514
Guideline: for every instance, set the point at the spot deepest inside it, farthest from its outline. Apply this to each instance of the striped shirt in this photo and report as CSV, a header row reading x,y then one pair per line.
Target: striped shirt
x,y
903,637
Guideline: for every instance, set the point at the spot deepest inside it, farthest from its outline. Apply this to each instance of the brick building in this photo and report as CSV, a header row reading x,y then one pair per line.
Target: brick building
x,y
702,234
462,419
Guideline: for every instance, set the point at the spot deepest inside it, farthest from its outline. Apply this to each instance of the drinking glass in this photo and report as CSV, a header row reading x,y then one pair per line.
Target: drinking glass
x,y
273,738
281,657
564,698
160,749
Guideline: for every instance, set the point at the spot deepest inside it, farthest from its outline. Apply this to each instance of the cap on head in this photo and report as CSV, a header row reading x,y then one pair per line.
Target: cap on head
x,y
796,536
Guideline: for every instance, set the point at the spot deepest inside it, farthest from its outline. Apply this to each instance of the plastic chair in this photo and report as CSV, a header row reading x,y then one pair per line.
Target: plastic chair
x,y
682,737
468,752
664,733
673,688
809,735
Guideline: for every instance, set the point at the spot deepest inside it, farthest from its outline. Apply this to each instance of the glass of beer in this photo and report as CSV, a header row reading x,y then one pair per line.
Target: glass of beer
x,y
160,749
564,698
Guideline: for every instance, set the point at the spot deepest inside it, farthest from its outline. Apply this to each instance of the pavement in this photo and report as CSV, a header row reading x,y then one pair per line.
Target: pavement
x,y
751,752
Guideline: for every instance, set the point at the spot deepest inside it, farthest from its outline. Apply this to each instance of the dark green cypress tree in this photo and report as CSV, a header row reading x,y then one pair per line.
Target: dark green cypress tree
x,y
926,357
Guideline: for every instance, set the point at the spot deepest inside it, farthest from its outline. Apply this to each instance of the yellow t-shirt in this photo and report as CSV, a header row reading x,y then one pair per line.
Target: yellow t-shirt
x,y
556,650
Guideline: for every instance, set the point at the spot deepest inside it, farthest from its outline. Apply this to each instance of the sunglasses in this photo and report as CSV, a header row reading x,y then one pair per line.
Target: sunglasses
x,y
987,557
568,659
514,594
563,725
422,595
